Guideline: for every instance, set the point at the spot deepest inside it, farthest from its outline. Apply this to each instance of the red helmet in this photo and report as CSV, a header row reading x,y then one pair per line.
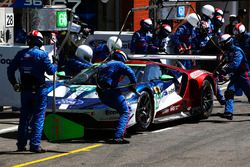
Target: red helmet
x,y
219,21
239,29
146,24
119,55
35,38
218,12
165,30
226,41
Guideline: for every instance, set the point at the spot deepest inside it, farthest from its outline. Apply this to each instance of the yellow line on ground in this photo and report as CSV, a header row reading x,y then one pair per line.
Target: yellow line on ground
x,y
59,155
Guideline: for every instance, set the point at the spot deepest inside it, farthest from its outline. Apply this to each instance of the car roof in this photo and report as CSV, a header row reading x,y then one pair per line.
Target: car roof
x,y
143,62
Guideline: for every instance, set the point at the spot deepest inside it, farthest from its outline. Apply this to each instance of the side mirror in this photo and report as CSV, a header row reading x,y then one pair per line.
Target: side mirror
x,y
62,75
166,77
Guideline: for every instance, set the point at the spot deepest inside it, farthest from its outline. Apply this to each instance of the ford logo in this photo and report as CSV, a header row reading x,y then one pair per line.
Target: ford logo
x,y
69,101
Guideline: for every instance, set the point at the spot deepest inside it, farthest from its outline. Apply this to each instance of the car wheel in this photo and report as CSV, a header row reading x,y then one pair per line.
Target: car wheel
x,y
144,111
207,98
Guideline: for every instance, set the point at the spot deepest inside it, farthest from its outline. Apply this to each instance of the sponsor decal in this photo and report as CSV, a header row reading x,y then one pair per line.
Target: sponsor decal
x,y
110,112
171,109
197,73
157,89
171,91
69,101
86,88
4,60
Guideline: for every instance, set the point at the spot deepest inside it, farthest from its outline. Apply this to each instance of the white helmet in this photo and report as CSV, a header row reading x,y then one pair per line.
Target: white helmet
x,y
84,52
114,43
239,29
193,19
208,10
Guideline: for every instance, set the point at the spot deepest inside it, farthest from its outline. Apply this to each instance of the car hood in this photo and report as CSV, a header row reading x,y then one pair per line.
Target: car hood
x,y
75,97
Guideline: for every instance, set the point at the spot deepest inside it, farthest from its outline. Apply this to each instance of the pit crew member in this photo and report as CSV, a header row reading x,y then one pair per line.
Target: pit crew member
x,y
32,63
182,37
141,42
108,78
236,64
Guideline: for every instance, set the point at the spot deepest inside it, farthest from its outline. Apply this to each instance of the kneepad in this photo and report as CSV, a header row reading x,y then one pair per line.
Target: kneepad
x,y
229,94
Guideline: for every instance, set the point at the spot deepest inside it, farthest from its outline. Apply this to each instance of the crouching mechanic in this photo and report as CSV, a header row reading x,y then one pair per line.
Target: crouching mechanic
x,y
108,78
236,65
32,63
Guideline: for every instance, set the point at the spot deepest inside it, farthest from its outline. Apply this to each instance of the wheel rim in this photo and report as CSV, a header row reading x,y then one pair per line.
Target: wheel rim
x,y
207,99
144,111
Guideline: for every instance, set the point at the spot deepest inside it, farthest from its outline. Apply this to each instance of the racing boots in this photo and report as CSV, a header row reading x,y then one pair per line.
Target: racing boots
x,y
228,115
38,150
20,149
119,141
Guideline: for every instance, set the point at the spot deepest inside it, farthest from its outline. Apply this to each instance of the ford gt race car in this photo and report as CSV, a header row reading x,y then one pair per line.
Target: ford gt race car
x,y
164,93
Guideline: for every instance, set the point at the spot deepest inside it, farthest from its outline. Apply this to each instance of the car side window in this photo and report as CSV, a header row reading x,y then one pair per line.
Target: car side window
x,y
152,72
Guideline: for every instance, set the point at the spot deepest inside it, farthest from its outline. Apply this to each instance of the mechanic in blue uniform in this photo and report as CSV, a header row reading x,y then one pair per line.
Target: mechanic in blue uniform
x,y
236,65
199,42
108,78
182,38
232,22
242,39
207,15
141,42
161,37
32,63
218,22
81,60
102,51
200,37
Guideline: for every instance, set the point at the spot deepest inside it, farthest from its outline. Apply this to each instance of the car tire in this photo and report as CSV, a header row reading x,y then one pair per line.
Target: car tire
x,y
144,111
207,98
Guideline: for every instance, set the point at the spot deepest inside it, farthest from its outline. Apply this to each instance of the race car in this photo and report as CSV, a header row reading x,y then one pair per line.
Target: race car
x,y
163,93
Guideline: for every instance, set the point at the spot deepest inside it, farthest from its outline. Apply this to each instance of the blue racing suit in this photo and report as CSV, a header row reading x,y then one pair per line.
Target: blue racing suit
x,y
211,25
32,63
100,53
237,66
244,44
198,41
142,43
109,76
182,38
75,65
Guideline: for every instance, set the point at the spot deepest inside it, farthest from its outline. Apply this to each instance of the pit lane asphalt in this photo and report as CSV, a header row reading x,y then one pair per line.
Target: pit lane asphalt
x,y
208,143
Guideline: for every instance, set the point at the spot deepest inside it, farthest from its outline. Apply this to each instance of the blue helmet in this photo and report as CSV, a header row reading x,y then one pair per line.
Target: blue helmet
x,y
119,55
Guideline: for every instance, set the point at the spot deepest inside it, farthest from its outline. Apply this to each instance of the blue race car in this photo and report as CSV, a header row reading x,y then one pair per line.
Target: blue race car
x,y
164,93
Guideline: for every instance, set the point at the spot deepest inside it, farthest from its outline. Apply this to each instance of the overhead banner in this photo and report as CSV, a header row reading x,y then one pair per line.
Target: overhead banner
x,y
22,3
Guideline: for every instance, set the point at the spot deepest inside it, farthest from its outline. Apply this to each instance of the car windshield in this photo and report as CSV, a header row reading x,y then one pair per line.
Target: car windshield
x,y
88,76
